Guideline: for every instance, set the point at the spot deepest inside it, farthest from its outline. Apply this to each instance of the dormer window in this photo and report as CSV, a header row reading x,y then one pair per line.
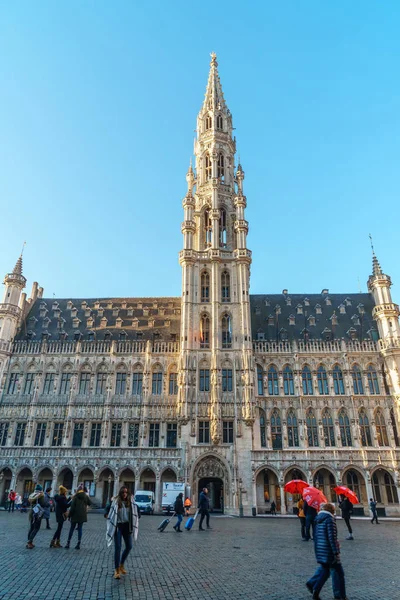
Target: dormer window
x,y
373,334
260,336
100,312
123,305
267,302
43,306
46,322
118,322
288,301
55,305
60,323
220,122
84,305
271,320
306,302
327,335
151,322
342,309
361,309
57,313
334,319
352,333
311,320
103,322
356,320
145,312
139,335
69,304
292,320
348,302
74,312
115,312
257,310
32,321
63,336
130,312
107,336
97,304
283,335
318,309
328,301
278,309
122,336
90,336
135,323
109,305
90,322
77,336
88,312
299,309
75,323
45,336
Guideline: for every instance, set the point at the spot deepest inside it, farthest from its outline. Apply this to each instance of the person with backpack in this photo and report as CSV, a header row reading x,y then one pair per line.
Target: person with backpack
x,y
48,507
37,502
179,511
62,504
78,514
11,500
347,508
302,517
123,522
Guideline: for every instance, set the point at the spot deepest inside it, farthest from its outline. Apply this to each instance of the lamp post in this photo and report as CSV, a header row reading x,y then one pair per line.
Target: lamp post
x,y
240,498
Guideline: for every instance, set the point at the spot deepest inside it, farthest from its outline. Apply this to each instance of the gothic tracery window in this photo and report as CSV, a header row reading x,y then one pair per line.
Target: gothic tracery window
x,y
208,167
205,331
328,429
276,429
288,385
225,287
205,287
219,122
207,228
221,167
260,380
345,429
358,386
338,385
208,122
381,429
365,430
312,428
292,429
222,228
307,383
273,384
373,383
323,387
226,331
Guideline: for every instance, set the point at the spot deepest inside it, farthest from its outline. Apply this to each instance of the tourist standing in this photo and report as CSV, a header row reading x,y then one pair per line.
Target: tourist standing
x,y
48,507
327,553
187,504
302,517
78,514
123,523
347,508
310,514
372,505
11,500
18,501
37,502
179,511
62,504
204,508
273,508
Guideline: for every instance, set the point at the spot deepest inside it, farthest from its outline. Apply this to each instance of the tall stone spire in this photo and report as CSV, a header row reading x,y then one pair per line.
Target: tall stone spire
x,y
214,97
17,270
376,267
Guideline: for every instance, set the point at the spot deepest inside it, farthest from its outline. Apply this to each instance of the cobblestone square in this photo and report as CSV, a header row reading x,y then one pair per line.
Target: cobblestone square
x,y
239,558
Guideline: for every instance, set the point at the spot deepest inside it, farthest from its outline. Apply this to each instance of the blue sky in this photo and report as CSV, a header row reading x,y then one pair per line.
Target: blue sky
x,y
98,107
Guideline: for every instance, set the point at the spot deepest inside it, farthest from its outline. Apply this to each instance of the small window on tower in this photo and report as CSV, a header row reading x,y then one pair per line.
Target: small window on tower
x,y
208,167
222,228
207,228
208,122
219,122
221,167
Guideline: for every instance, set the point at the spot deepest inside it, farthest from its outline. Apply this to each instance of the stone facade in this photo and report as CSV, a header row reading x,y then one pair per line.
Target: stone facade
x,y
217,387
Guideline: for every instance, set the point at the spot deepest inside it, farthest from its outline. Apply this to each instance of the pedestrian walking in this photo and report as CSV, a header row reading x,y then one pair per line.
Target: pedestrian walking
x,y
11,500
347,508
310,514
204,508
62,504
187,505
78,514
123,523
302,517
327,553
37,502
273,508
18,502
372,505
179,511
47,509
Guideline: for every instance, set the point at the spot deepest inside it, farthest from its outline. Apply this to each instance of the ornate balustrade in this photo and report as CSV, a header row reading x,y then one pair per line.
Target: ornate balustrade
x,y
102,454
95,347
314,347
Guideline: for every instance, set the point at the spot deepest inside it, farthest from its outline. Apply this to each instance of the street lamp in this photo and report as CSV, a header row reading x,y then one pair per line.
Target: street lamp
x,y
240,498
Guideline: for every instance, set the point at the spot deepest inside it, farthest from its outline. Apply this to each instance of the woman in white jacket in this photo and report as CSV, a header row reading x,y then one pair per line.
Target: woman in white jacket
x,y
123,523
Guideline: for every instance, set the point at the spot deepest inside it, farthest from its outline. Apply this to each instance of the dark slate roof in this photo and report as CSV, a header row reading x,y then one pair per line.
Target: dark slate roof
x,y
314,316
137,318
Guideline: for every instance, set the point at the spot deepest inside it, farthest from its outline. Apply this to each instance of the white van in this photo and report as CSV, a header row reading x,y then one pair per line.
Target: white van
x,y
145,501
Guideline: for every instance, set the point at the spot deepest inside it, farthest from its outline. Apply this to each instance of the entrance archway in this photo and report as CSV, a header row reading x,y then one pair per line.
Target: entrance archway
x,y
66,478
86,477
106,485
355,481
210,472
5,485
148,480
292,499
267,491
127,478
45,478
24,484
325,481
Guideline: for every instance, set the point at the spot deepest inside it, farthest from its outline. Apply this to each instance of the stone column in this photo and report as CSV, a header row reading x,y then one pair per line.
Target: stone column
x,y
157,506
74,483
54,484
283,499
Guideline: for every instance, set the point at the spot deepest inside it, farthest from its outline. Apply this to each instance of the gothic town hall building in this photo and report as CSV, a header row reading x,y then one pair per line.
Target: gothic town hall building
x,y
214,387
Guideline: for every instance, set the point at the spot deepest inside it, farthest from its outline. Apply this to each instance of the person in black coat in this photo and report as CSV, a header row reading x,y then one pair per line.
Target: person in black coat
x,y
204,508
327,553
310,513
347,508
179,511
62,504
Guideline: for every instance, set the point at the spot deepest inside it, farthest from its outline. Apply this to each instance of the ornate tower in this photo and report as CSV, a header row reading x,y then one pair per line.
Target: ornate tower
x,y
386,314
216,264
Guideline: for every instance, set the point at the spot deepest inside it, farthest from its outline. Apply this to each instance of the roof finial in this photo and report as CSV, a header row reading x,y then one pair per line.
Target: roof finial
x,y
376,267
213,59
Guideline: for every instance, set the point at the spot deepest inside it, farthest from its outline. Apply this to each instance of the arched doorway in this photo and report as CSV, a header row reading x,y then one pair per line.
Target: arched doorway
x,y
267,491
384,488
210,472
66,478
148,480
45,478
106,486
86,477
325,481
355,482
292,499
127,478
167,476
24,485
5,485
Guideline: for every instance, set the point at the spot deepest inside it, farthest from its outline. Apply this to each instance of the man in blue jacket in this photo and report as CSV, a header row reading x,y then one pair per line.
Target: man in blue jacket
x,y
204,506
327,552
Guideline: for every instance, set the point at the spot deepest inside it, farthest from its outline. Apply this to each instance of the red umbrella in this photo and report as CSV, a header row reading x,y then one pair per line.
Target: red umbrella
x,y
313,496
296,486
344,491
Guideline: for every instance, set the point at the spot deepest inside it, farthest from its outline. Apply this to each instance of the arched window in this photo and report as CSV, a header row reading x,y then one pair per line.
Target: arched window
x,y
263,436
137,381
221,167
222,228
365,430
312,429
273,385
226,331
292,429
225,287
306,379
205,331
219,122
373,382
381,430
353,483
208,167
394,427
376,487
260,380
208,122
358,387
323,387
205,287
327,426
391,490
156,381
345,429
338,385
276,430
288,386
207,228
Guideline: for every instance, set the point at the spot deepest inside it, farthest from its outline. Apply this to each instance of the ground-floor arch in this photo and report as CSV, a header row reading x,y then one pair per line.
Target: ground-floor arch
x,y
325,480
291,500
384,488
45,479
210,472
66,478
105,486
86,476
127,478
24,484
355,481
5,485
267,490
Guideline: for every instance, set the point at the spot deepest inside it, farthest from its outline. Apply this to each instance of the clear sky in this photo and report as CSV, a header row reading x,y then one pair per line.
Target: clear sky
x,y
98,106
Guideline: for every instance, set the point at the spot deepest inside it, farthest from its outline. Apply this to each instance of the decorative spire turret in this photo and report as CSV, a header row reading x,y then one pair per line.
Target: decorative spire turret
x,y
214,97
376,267
17,270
